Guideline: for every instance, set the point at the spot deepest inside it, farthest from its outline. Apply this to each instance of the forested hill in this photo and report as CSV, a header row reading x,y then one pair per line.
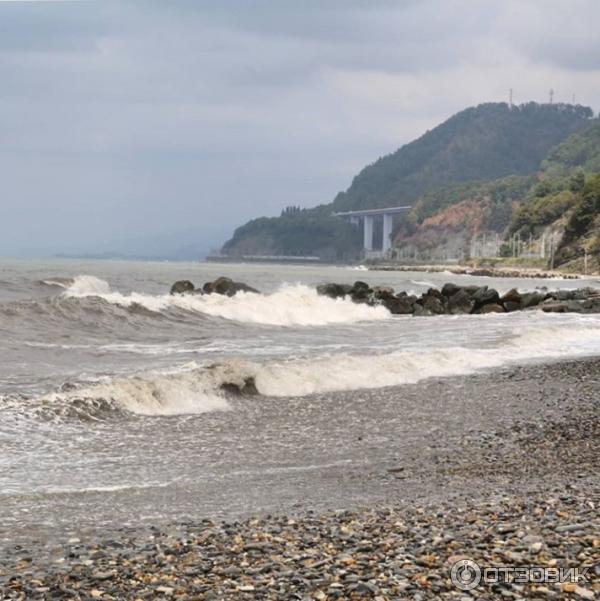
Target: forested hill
x,y
486,142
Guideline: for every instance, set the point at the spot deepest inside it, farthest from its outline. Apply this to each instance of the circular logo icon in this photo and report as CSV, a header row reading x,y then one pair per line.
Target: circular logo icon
x,y
465,574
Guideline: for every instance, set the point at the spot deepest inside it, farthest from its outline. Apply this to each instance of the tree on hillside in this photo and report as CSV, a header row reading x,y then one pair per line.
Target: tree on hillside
x,y
585,211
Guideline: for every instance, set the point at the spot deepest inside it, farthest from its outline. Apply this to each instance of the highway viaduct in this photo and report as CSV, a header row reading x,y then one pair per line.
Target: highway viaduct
x,y
368,216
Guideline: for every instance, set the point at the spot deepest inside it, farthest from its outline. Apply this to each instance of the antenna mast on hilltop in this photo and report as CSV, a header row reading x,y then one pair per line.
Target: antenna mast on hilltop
x,y
551,95
510,98
573,98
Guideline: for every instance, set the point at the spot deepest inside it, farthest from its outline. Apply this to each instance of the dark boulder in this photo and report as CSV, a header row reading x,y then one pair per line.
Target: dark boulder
x,y
227,287
360,287
531,299
485,296
450,289
433,304
512,296
435,293
460,302
382,295
246,388
585,293
563,295
421,311
491,308
471,290
383,291
182,287
360,292
399,305
591,304
511,306
567,306
334,290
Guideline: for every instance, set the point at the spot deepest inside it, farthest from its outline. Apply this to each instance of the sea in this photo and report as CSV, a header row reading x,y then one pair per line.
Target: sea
x,y
112,406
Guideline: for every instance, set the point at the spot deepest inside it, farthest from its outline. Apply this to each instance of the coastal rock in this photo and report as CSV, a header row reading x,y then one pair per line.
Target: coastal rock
x,y
563,295
511,306
360,287
574,306
334,290
450,289
433,305
182,287
455,300
435,293
492,308
227,287
591,305
460,302
578,294
246,388
360,292
400,305
512,296
421,311
485,296
531,299
383,291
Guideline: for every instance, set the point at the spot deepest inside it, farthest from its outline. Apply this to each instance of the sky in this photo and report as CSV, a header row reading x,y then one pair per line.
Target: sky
x,y
155,127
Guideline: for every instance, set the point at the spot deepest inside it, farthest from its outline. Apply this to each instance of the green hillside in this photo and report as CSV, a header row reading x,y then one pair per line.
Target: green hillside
x,y
567,198
488,142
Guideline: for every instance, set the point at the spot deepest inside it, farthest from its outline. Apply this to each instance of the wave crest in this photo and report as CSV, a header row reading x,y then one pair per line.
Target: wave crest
x,y
290,305
195,388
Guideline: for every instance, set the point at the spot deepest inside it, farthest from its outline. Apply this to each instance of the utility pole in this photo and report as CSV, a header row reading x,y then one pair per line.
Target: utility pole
x,y
551,95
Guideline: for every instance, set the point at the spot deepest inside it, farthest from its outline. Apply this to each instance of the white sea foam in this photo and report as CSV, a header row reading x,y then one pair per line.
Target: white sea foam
x,y
350,372
173,393
290,305
62,490
423,283
198,388
88,285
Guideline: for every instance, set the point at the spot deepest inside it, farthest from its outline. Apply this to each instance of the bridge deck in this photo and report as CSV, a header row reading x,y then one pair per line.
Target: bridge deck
x,y
371,212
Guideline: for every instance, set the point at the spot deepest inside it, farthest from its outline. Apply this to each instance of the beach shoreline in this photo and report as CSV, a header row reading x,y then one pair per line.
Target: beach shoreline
x,y
503,271
521,461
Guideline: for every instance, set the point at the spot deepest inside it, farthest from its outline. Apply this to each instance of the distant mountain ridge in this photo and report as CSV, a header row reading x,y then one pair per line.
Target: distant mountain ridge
x,y
495,143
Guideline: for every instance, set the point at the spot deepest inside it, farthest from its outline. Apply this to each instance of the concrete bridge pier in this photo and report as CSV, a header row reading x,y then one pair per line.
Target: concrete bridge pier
x,y
368,216
368,232
388,224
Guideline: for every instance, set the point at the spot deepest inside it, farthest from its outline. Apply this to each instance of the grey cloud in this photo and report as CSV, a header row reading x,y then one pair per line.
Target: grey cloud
x,y
154,115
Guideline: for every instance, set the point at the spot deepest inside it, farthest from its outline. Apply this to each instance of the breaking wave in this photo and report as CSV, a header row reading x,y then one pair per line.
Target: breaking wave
x,y
168,393
198,388
288,306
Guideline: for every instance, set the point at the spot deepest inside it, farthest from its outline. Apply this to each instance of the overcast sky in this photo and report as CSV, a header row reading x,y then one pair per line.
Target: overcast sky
x,y
162,119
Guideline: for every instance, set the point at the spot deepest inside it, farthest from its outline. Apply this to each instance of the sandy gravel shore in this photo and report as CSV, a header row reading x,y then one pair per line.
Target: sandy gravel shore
x,y
503,271
518,484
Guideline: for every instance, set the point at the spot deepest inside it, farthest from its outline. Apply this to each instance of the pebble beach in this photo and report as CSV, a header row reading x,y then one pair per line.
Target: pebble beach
x,y
523,494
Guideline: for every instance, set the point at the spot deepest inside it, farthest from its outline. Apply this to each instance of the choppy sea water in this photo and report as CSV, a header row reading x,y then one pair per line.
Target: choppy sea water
x,y
111,407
